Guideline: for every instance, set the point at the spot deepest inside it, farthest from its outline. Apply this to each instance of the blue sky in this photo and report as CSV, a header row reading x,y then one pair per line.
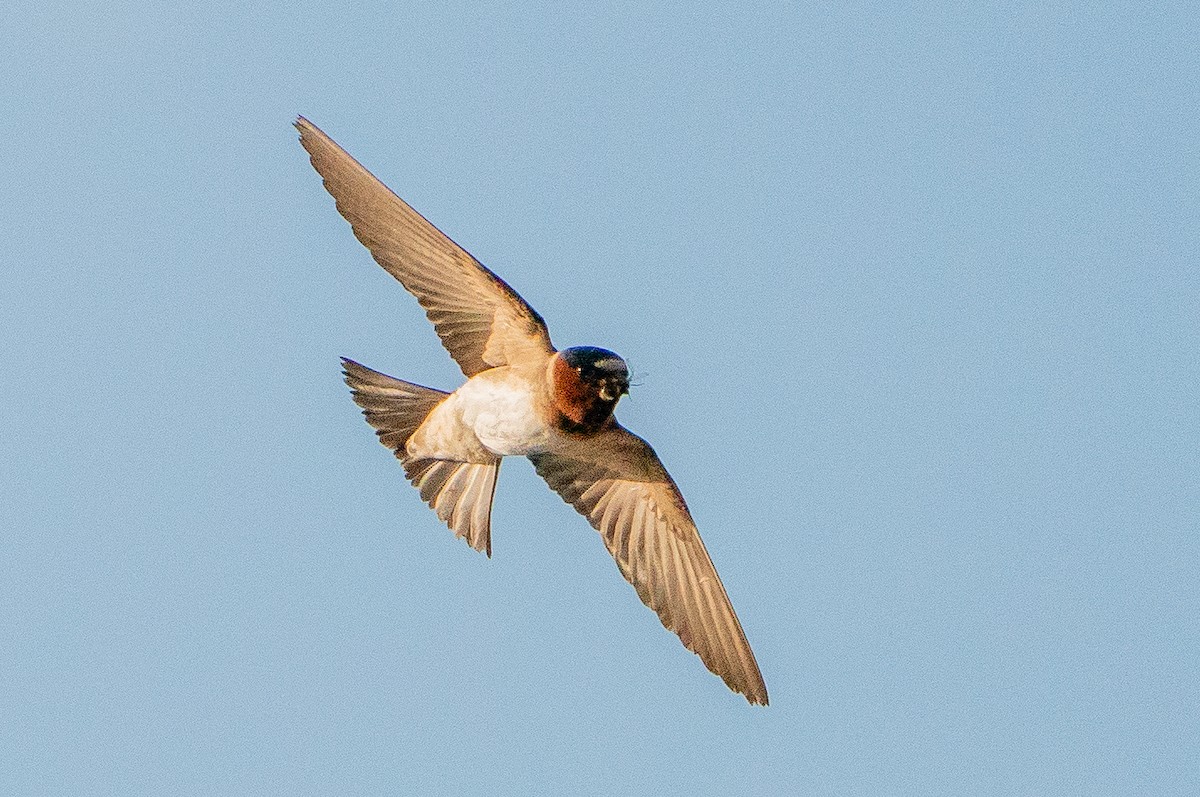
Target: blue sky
x,y
913,300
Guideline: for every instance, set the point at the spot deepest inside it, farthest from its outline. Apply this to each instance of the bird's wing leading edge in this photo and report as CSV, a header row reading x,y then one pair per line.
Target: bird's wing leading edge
x,y
617,482
482,321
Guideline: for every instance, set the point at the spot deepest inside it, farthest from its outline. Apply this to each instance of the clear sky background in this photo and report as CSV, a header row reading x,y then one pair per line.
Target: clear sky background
x,y
912,295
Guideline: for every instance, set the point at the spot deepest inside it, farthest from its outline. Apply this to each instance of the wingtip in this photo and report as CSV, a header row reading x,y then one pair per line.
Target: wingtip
x,y
355,375
756,690
308,131
308,135
755,693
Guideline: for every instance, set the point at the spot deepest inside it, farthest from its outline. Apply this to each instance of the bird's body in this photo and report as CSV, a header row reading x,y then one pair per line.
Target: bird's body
x,y
501,412
525,398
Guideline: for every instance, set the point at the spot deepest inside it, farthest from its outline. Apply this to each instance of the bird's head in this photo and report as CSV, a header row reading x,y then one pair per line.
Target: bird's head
x,y
587,384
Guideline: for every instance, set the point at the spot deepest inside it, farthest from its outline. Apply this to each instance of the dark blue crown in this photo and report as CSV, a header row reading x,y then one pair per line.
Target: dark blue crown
x,y
595,362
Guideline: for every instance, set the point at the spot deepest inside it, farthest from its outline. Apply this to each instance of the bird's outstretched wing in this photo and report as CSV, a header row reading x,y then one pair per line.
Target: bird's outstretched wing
x,y
617,482
482,322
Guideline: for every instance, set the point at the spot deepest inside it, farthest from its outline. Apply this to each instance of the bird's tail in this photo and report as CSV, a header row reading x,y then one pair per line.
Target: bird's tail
x,y
394,407
460,492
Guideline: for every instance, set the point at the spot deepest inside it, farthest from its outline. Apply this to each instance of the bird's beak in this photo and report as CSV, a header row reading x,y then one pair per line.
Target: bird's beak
x,y
613,389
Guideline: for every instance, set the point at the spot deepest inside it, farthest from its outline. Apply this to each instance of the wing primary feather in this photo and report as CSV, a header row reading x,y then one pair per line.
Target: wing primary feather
x,y
479,318
618,483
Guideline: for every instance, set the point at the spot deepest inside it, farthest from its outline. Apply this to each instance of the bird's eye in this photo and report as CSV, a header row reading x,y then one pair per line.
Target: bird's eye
x,y
579,369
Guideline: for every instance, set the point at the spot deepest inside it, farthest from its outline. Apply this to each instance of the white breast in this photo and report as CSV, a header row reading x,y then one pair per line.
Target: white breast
x,y
499,406
495,411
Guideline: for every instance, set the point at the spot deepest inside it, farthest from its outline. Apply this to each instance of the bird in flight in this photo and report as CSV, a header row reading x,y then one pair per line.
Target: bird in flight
x,y
523,397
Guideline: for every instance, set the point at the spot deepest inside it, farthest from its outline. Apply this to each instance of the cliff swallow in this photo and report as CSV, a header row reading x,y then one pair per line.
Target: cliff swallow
x,y
523,397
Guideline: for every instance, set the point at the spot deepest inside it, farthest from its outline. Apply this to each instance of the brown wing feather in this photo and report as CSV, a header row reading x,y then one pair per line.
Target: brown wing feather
x,y
617,482
482,322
